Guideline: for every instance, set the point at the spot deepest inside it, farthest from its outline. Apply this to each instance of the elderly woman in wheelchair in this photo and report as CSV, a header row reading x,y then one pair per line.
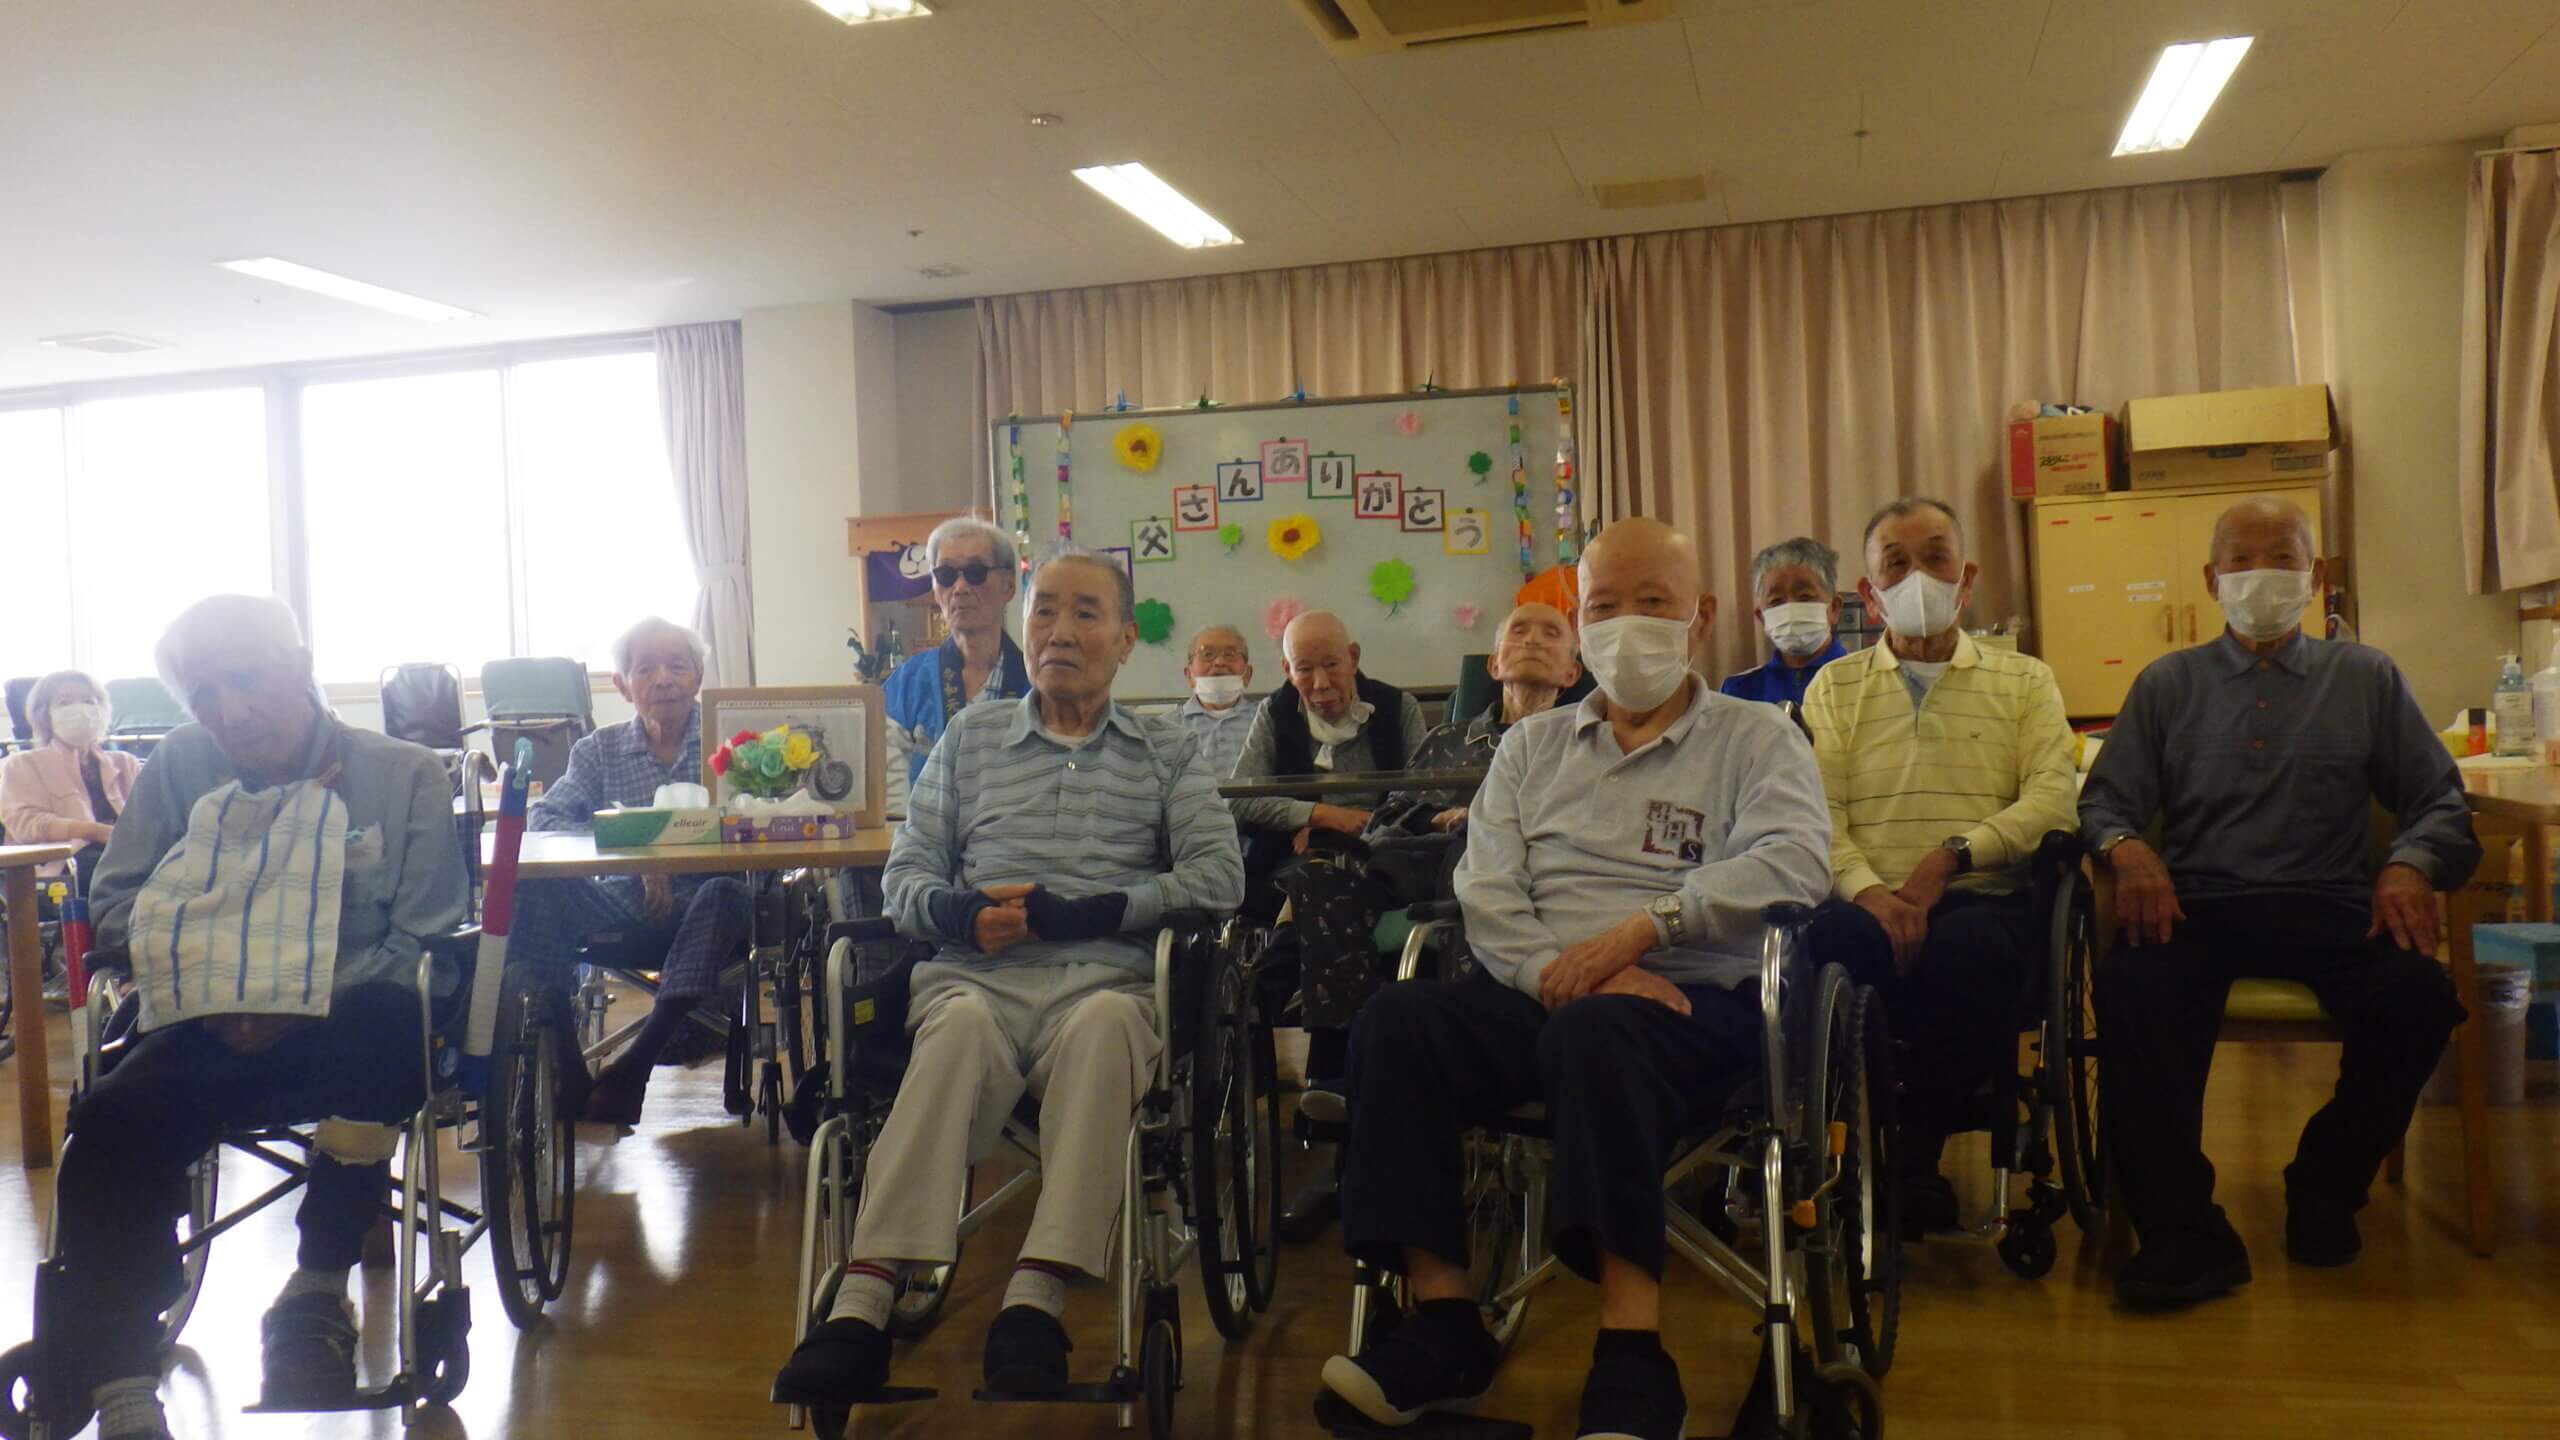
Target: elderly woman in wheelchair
x,y
1046,839
271,887
1622,855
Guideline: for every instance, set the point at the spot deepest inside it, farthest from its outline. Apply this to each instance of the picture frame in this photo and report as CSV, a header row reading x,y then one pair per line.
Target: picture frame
x,y
1239,481
1469,532
1378,495
1195,507
1329,476
849,723
1284,461
1422,509
1150,541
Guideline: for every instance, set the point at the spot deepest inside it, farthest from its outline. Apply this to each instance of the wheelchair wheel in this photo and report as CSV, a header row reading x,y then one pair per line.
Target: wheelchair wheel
x,y
528,1160
927,1288
1844,1403
1229,1191
1262,1268
2071,1053
1854,1263
1160,1375
1496,1235
204,1196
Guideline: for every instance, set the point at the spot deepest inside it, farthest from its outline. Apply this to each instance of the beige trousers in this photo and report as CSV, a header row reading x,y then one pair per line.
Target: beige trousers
x,y
1081,1039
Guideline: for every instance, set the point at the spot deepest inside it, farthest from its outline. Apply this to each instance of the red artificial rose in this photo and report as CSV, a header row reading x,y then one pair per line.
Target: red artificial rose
x,y
743,737
720,761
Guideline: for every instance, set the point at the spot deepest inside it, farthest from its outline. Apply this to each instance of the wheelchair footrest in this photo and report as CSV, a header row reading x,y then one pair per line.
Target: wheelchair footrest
x,y
1099,1392
884,1395
380,1397
1340,1420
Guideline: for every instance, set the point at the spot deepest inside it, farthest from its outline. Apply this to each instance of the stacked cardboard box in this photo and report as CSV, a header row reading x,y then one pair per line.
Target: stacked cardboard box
x,y
2277,436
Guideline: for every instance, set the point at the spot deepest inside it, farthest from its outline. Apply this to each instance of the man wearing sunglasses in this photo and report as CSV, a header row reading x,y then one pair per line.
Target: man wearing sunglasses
x,y
972,565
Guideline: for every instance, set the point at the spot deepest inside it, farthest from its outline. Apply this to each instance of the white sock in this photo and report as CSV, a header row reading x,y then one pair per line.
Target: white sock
x,y
869,1289
130,1406
1039,1285
307,1281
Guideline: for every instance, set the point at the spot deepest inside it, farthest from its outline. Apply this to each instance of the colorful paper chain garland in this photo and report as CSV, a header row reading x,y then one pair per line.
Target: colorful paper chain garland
x,y
1066,493
1520,495
1568,532
1021,497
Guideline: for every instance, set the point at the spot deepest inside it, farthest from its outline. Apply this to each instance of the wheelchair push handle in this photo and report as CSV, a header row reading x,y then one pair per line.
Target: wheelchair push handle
x,y
497,918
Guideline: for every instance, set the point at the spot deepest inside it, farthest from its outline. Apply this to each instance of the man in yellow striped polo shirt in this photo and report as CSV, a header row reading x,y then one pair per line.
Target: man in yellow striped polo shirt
x,y
1945,765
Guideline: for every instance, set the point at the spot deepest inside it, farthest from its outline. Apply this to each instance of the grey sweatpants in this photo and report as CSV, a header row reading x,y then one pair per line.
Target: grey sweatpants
x,y
1079,1038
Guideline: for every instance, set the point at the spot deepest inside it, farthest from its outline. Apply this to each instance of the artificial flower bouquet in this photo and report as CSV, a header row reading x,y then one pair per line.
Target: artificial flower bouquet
x,y
767,782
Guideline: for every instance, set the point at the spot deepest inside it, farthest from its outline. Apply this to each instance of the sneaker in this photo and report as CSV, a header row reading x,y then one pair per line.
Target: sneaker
x,y
2319,1232
1026,1352
836,1364
1440,1358
2183,1267
616,1097
310,1353
1634,1390
1323,1103
1928,1206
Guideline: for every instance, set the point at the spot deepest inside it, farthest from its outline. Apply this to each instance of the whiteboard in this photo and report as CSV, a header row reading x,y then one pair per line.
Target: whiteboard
x,y
1296,457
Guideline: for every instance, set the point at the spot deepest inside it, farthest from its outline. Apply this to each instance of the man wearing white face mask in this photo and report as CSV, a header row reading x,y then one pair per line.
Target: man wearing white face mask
x,y
1938,802
70,787
1219,669
2257,759
1620,855
1795,585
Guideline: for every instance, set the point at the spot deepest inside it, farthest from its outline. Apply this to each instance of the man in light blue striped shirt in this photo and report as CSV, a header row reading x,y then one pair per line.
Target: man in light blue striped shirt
x,y
1046,839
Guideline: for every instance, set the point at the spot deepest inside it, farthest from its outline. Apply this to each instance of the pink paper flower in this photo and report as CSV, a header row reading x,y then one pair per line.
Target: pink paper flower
x,y
1277,615
1465,616
1409,424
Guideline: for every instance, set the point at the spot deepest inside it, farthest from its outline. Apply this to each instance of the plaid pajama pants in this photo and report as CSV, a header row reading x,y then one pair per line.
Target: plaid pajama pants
x,y
711,921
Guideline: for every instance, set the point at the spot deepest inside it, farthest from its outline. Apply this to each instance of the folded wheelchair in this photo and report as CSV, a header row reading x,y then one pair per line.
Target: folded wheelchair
x,y
1786,1203
517,1135
1200,1174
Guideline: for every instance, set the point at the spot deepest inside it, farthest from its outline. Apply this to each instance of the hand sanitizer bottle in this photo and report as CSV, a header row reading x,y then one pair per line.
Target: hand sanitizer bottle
x,y
2512,704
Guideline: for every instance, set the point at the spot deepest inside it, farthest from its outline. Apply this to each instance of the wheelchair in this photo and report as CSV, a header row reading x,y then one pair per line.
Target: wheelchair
x,y
1200,1178
526,1157
2042,1118
1797,1218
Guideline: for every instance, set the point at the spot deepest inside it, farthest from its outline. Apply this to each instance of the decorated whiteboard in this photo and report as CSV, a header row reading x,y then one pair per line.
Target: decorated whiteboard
x,y
1408,515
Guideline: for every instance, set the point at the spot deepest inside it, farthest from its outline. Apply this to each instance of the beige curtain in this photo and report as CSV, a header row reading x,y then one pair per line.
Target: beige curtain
x,y
2511,373
1756,382
1478,318
702,403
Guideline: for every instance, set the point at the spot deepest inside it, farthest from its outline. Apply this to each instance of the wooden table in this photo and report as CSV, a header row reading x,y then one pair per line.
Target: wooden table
x,y
565,855
26,988
1308,787
2507,804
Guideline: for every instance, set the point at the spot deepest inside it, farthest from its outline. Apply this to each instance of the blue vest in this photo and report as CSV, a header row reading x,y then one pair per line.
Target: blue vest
x,y
914,692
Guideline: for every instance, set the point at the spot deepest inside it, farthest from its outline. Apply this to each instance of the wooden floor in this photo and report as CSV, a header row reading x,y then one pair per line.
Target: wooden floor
x,y
678,1311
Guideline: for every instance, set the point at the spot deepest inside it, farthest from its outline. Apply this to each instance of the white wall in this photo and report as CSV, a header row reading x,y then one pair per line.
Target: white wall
x,y
2391,247
938,453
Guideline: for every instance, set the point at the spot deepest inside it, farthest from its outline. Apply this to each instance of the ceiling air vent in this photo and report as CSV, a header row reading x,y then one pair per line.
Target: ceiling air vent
x,y
1373,27
1644,194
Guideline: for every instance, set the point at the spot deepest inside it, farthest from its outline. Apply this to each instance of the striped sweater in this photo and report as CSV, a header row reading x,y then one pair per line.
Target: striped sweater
x,y
1987,756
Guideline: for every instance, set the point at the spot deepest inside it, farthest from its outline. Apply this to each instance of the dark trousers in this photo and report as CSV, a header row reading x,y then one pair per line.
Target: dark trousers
x,y
1624,1079
2160,1010
123,1182
1957,1012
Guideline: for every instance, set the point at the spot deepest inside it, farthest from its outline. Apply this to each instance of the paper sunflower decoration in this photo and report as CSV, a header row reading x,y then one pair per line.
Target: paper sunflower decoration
x,y
1292,536
1391,583
1155,621
1480,464
1139,447
1277,615
1231,535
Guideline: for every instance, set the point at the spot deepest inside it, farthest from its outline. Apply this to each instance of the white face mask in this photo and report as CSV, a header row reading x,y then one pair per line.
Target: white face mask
x,y
79,724
1639,660
2260,604
1799,627
1921,606
1218,691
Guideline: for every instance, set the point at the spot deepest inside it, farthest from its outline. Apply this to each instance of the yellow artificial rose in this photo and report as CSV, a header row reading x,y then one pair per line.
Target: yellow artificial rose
x,y
798,753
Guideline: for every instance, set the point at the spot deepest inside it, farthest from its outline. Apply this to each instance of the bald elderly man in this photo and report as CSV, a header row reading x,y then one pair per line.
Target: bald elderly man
x,y
1535,663
1329,717
1619,858
2256,760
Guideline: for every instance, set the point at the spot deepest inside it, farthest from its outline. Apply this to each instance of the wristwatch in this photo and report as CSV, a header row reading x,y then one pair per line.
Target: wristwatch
x,y
2107,847
1962,849
1668,920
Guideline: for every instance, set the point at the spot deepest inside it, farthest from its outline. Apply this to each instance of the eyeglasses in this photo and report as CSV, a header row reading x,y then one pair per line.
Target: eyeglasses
x,y
975,572
1219,657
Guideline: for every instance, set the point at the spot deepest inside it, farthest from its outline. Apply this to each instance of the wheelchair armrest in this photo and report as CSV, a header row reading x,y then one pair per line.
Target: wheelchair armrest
x,y
1787,915
2059,851
867,931
95,962
1434,912
462,942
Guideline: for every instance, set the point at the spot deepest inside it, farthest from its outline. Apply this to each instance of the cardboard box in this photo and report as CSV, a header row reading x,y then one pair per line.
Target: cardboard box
x,y
2281,435
2062,455
625,829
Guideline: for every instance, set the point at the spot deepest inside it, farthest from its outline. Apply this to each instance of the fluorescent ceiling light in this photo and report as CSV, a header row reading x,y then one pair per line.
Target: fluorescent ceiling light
x,y
105,342
2183,86
339,287
1135,188
854,12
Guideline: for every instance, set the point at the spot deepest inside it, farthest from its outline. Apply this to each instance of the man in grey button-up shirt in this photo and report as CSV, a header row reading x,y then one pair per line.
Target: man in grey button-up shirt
x,y
1619,856
2258,758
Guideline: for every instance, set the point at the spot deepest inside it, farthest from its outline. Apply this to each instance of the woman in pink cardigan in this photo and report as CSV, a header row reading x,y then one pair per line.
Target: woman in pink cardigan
x,y
68,787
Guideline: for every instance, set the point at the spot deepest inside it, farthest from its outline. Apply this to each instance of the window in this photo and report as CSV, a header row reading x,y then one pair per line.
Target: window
x,y
168,505
602,541
37,590
404,493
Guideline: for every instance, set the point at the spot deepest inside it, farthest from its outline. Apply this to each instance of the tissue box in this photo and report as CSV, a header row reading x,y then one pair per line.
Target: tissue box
x,y
625,829
749,829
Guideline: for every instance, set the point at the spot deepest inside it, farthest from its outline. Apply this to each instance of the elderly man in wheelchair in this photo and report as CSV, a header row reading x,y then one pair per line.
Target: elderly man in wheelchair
x,y
1044,837
271,888
1621,856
